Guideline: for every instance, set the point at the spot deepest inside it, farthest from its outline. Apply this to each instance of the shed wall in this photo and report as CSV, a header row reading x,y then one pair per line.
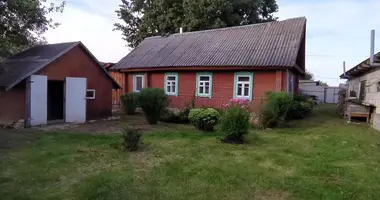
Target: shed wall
x,y
76,63
13,104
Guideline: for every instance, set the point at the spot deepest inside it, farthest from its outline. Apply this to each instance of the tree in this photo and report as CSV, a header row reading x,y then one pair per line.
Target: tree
x,y
321,83
308,76
22,23
145,18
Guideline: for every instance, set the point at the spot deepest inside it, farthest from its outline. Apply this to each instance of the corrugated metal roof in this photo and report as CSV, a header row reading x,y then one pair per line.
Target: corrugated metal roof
x,y
21,65
272,44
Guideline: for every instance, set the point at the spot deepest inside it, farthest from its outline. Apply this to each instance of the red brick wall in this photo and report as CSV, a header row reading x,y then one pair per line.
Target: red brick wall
x,y
76,63
222,87
13,104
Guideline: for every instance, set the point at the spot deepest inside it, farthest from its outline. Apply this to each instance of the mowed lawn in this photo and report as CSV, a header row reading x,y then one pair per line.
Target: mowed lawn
x,y
318,158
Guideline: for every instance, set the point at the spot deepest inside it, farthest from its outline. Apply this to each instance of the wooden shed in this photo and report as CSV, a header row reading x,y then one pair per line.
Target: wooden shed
x,y
55,82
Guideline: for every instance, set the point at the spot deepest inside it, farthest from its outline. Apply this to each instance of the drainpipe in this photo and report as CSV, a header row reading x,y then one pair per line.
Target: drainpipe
x,y
372,51
287,81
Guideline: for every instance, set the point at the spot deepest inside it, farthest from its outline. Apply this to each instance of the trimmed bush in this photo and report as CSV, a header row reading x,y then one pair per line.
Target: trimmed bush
x,y
153,101
177,118
235,124
204,118
274,111
131,138
129,102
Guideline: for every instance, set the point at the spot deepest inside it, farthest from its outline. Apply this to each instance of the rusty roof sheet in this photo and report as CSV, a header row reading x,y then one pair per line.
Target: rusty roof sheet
x,y
272,44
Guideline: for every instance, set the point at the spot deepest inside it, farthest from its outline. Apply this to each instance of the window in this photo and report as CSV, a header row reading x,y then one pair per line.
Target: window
x,y
90,94
171,84
138,83
362,90
204,84
243,85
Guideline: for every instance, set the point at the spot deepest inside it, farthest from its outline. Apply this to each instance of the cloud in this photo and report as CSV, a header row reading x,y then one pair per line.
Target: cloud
x,y
92,23
337,31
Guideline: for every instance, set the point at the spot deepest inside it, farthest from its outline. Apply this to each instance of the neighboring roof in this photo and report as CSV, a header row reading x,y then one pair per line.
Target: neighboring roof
x,y
24,64
107,66
272,44
361,68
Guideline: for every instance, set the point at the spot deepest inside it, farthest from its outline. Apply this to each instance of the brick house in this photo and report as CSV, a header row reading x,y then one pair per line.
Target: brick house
x,y
220,64
54,82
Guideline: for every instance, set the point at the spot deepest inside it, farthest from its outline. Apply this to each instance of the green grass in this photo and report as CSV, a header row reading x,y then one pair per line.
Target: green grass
x,y
318,158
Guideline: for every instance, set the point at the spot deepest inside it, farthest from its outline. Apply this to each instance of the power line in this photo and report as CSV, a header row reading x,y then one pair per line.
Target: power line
x,y
326,55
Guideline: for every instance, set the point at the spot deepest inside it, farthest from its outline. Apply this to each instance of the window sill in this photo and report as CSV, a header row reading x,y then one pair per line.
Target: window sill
x,y
203,96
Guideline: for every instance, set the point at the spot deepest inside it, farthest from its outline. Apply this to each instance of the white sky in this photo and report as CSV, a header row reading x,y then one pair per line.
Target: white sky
x,y
337,31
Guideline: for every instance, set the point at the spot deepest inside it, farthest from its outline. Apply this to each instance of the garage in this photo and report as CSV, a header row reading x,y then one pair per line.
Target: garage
x,y
54,83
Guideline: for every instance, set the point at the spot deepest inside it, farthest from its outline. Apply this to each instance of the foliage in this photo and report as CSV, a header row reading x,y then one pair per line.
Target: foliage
x,y
129,102
299,110
321,83
244,103
160,17
131,138
177,118
153,102
23,22
204,118
274,111
235,124
308,76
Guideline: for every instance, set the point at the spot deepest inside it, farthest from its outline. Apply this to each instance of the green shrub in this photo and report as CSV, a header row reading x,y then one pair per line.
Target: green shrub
x,y
131,138
204,118
274,111
178,118
235,124
299,110
129,103
153,102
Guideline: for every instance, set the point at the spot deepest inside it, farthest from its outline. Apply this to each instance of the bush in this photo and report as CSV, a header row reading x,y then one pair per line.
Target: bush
x,y
129,103
299,110
235,124
204,118
274,111
153,102
131,138
178,118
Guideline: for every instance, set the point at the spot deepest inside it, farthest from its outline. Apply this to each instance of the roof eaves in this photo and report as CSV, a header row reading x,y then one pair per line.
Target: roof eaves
x,y
39,68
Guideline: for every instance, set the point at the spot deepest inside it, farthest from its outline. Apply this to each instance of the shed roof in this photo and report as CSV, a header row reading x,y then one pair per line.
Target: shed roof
x,y
272,44
24,64
361,68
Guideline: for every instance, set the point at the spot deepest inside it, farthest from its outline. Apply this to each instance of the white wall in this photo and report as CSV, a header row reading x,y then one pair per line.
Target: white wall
x,y
372,96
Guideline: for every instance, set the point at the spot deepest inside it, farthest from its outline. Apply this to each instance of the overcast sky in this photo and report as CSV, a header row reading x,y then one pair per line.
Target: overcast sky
x,y
337,31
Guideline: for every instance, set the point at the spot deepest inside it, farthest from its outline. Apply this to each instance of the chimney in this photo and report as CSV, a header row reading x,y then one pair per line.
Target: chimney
x,y
344,68
181,30
372,51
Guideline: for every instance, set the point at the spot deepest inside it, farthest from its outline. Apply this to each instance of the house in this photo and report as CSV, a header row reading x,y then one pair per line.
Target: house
x,y
363,80
63,82
119,78
216,65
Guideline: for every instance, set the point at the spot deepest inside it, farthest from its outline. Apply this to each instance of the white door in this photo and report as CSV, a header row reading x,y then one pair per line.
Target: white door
x,y
75,100
36,100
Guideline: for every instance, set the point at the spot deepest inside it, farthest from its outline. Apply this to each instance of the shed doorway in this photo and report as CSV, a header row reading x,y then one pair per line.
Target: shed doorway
x,y
55,100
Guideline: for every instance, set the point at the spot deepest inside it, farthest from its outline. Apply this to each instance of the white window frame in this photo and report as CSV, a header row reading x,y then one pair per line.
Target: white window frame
x,y
243,86
91,90
135,83
170,84
199,82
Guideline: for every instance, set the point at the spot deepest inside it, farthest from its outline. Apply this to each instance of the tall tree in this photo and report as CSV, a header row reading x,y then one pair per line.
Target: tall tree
x,y
22,23
145,18
308,76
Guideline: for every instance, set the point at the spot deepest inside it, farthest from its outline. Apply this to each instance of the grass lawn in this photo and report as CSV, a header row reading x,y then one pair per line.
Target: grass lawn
x,y
318,158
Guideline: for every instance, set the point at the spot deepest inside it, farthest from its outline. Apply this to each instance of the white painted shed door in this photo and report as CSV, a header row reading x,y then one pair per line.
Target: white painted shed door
x,y
75,100
37,100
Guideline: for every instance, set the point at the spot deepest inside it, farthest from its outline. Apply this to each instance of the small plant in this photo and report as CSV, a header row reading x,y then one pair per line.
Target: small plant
x,y
299,110
153,103
131,138
129,103
204,118
274,111
235,124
